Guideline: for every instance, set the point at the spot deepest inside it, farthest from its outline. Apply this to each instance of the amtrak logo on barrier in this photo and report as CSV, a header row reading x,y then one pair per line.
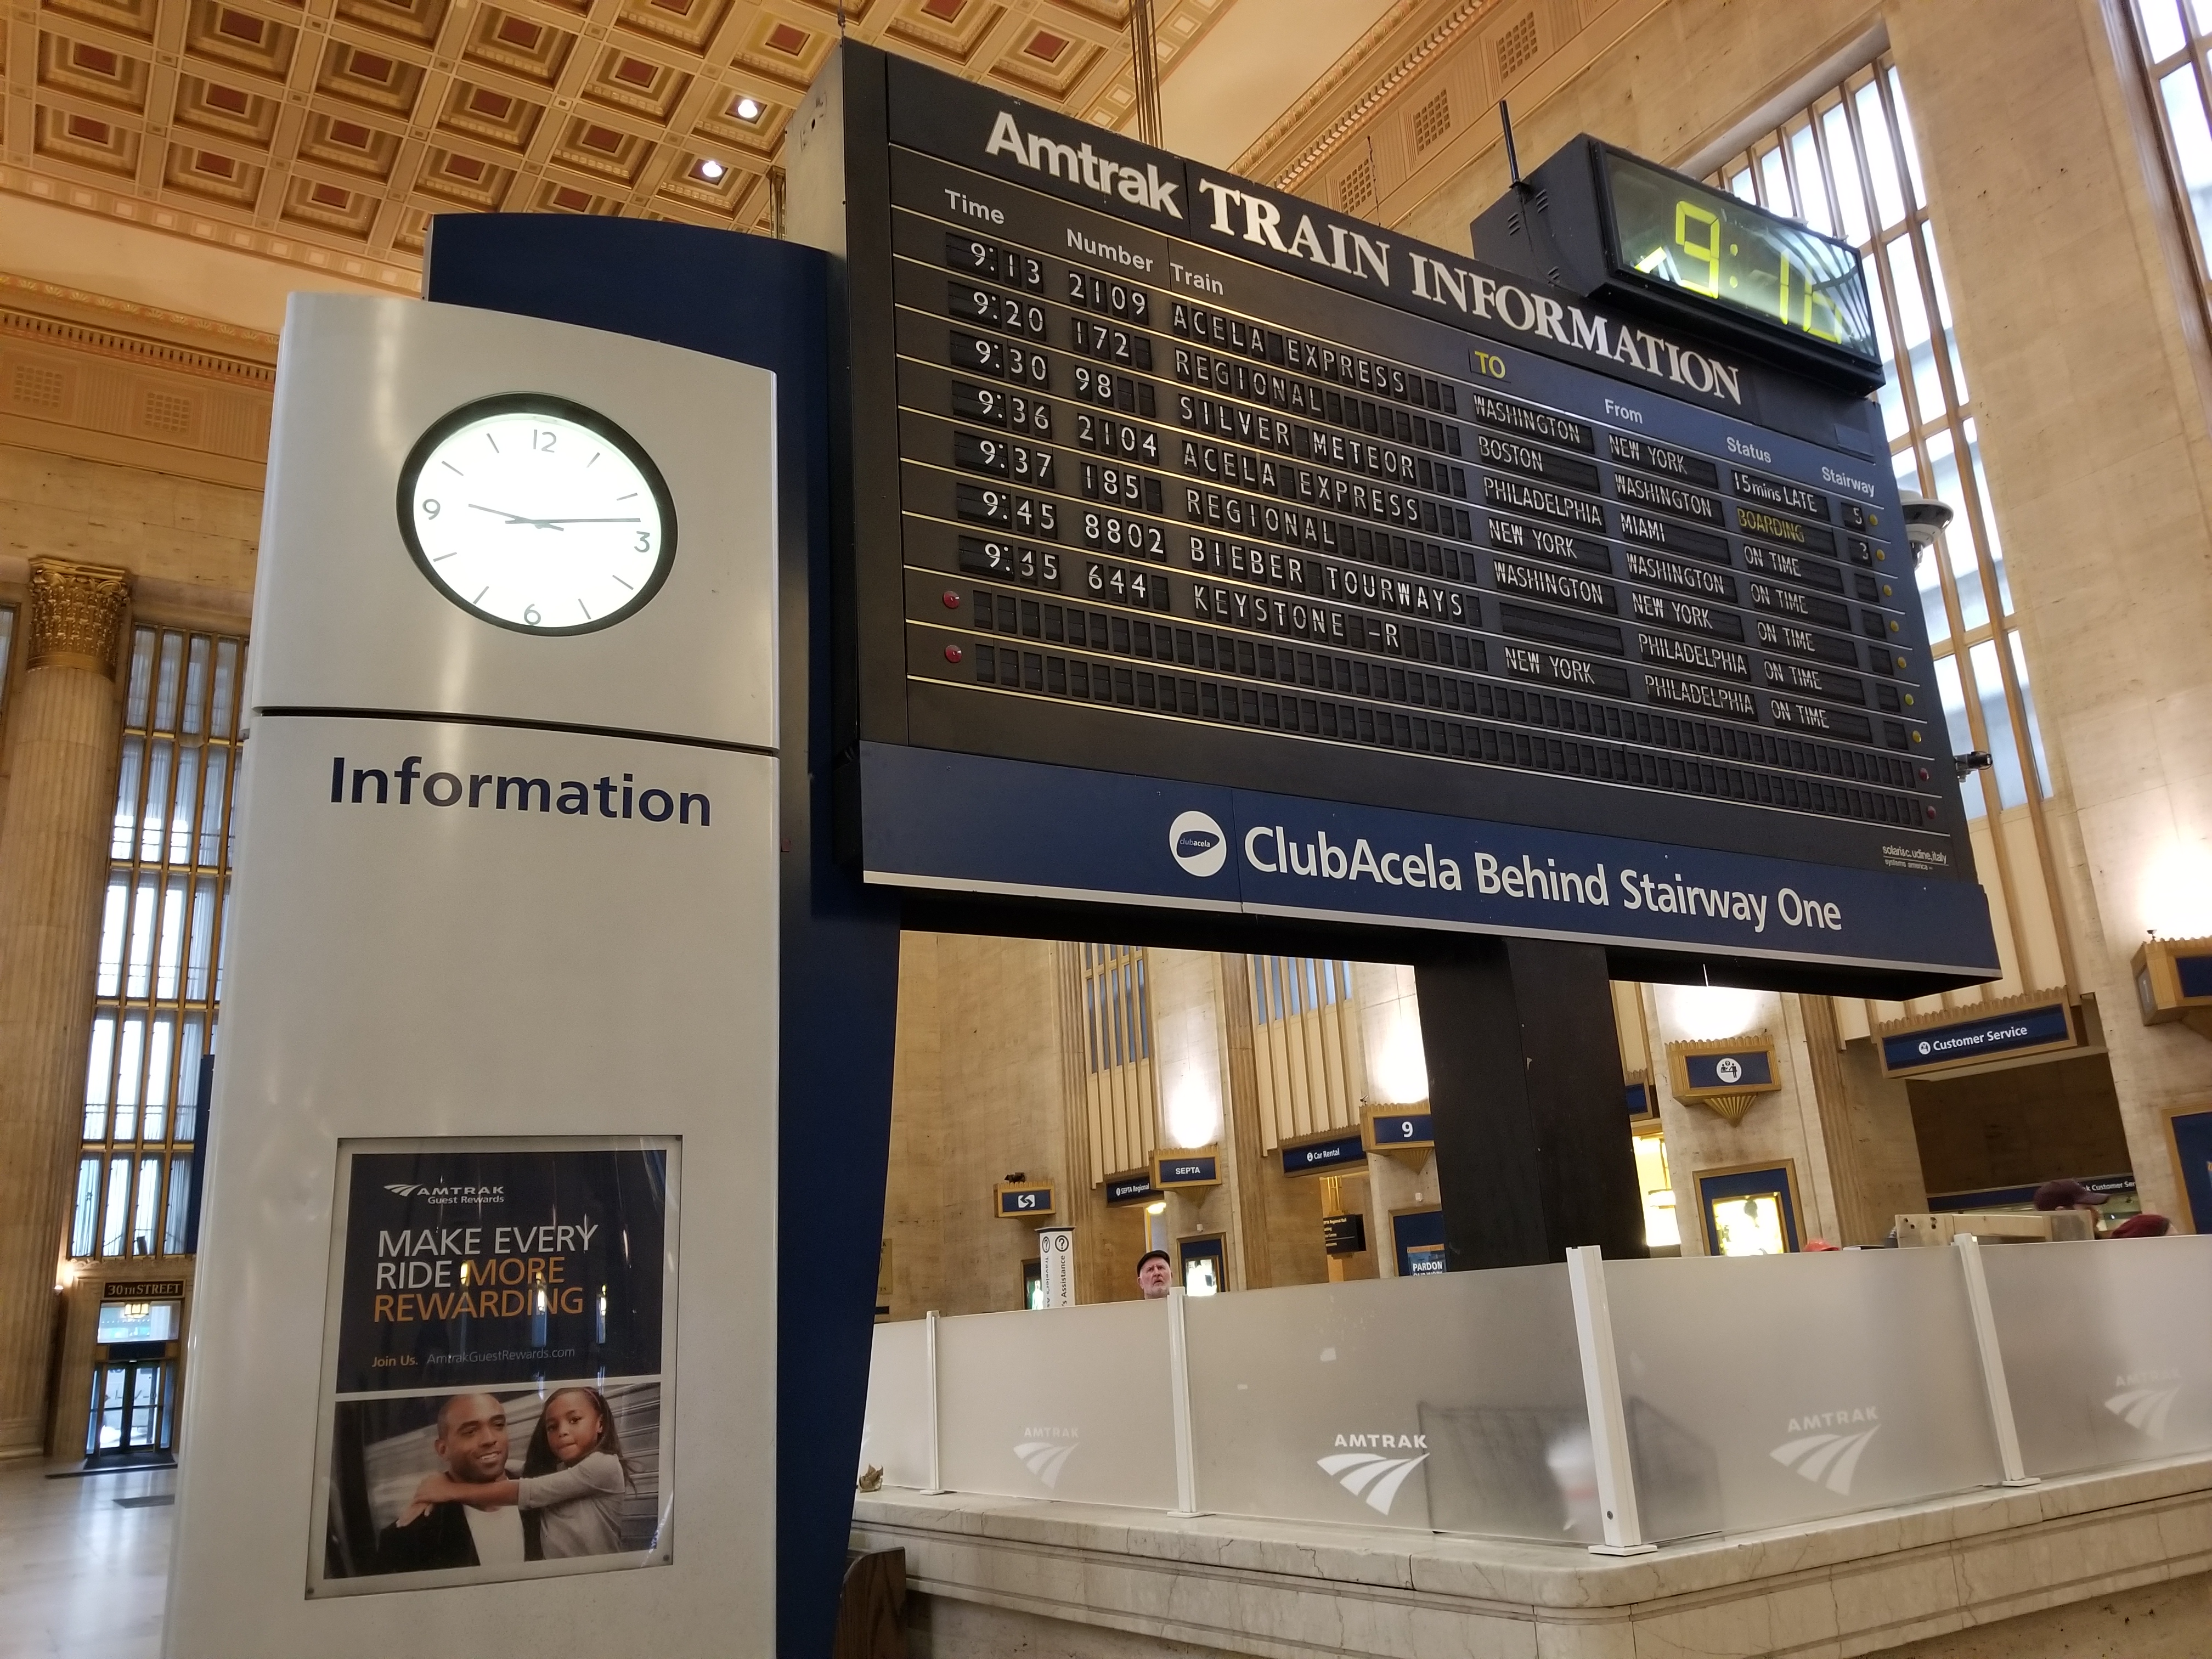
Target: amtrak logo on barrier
x,y
1828,1459
1045,1454
1198,843
2145,1408
1371,1475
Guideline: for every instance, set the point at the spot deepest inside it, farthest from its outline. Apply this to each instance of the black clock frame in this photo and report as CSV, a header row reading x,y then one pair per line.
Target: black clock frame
x,y
565,408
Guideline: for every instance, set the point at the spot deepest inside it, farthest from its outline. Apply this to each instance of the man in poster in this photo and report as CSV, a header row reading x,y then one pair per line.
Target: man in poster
x,y
472,1442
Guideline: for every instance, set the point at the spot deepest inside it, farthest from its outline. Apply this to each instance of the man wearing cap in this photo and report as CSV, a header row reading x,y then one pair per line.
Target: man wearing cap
x,y
1155,1274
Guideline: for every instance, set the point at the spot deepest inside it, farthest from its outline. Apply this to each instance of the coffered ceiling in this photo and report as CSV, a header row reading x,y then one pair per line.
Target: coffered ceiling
x,y
325,133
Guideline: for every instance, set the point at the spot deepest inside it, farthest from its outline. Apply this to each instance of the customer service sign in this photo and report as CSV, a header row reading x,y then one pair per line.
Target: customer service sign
x,y
981,825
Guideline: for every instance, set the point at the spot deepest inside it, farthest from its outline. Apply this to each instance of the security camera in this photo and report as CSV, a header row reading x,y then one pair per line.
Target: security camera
x,y
1925,520
1972,760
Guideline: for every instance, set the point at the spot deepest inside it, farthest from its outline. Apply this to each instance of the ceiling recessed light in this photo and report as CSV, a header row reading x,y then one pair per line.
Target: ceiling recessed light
x,y
748,109
710,169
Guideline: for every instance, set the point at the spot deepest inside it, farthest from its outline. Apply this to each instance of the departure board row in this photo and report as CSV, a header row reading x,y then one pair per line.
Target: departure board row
x,y
1116,495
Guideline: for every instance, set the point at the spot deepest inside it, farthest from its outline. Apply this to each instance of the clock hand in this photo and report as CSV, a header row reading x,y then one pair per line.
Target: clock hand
x,y
561,521
516,518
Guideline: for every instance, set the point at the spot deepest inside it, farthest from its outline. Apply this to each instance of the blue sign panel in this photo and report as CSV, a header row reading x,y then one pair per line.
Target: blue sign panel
x,y
1638,1097
1401,1129
1180,1171
2107,1189
1417,1235
1025,1200
982,825
2192,1150
1313,1157
1136,1188
2196,976
1744,1069
1979,1039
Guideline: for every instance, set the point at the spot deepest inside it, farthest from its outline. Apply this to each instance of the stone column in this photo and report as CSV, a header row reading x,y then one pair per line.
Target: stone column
x,y
53,867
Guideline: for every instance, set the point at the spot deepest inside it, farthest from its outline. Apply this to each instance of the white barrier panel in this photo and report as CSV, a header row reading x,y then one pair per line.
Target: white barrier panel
x,y
1071,1403
2107,1347
1454,1402
1766,1390
895,1434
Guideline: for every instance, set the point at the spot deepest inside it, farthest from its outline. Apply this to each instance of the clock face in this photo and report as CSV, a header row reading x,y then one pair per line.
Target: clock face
x,y
536,513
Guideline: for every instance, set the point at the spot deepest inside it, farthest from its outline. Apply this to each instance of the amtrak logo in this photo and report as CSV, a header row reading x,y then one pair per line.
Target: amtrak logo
x,y
1728,1069
1046,1458
1371,1475
443,1193
1827,1460
2145,1408
1198,844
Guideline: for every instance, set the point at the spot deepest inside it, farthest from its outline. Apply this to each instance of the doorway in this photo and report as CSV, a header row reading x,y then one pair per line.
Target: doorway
x,y
133,1409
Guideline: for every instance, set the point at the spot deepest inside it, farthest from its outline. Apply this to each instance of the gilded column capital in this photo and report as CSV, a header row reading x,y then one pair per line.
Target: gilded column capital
x,y
77,614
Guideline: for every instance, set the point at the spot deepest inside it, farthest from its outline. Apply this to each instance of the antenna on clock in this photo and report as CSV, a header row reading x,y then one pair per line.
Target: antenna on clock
x,y
1512,156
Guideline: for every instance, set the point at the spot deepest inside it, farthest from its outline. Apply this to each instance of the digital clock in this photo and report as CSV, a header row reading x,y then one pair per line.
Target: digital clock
x,y
1671,232
1609,226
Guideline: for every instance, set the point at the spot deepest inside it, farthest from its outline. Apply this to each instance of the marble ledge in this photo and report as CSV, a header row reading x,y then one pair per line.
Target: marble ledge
x,y
1854,1584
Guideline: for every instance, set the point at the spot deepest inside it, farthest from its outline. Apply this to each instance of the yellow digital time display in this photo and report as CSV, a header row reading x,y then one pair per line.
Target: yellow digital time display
x,y
1702,243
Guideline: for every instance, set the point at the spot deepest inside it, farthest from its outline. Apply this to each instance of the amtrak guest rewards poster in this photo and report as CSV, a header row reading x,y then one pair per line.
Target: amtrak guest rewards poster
x,y
498,1362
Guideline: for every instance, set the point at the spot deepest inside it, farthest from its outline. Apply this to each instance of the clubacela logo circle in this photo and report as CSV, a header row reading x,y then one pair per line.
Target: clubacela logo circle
x,y
1198,843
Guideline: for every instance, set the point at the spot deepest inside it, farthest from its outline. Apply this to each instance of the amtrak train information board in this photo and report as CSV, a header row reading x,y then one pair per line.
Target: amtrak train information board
x,y
1213,550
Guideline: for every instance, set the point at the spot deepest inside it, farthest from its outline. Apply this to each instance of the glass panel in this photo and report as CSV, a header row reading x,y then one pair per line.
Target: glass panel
x,y
142,643
226,687
150,1196
169,947
211,849
98,1075
84,1222
1393,1402
138,1322
188,1077
1912,319
180,1185
1774,184
1988,517
2200,17
1740,186
2161,22
202,940
1996,727
165,692
2027,707
1880,158
180,819
1957,542
1943,312
126,796
2101,1371
196,686
1912,147
119,1206
130,1055
1895,422
2192,146
157,1077
7,641
895,1433
114,921
1812,191
1069,1404
1765,1391
1844,160
138,966
159,754
1949,688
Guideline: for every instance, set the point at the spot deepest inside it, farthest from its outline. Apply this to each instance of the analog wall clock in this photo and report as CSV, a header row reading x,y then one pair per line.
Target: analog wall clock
x,y
536,513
